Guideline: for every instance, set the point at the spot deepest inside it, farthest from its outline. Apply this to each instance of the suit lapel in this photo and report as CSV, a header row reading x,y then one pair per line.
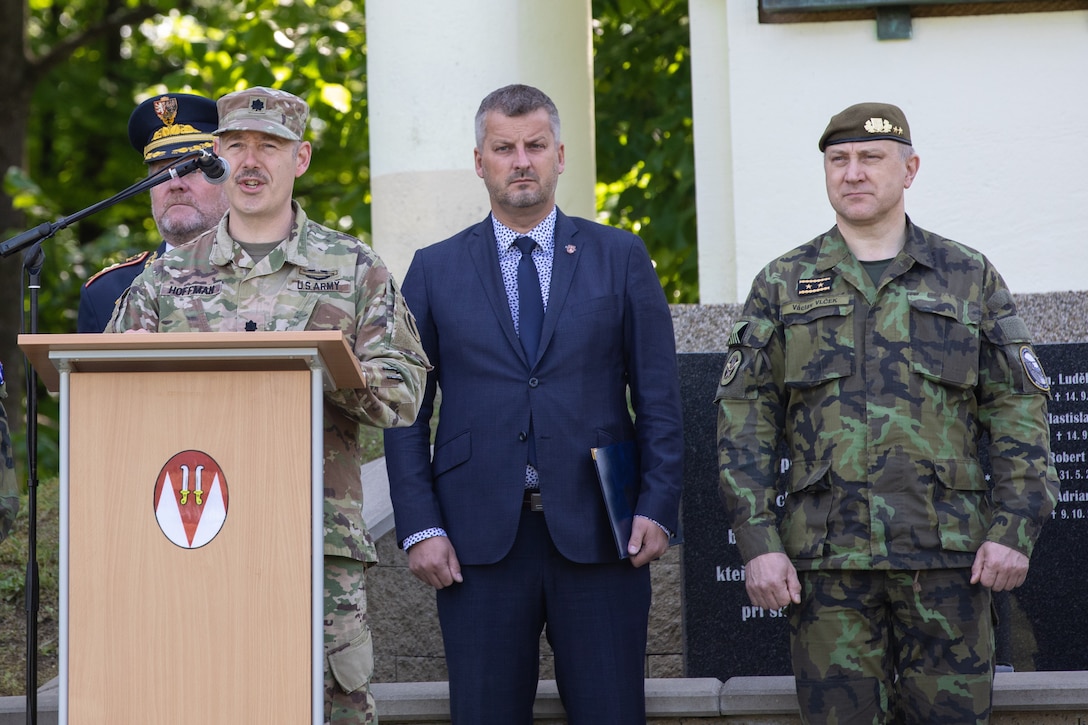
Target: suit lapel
x,y
482,249
564,262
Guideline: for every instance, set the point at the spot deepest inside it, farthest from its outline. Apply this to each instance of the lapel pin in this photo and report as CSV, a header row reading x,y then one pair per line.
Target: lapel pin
x,y
571,249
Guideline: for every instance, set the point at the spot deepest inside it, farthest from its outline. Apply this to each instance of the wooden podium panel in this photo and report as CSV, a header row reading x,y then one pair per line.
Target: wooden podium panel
x,y
163,634
174,611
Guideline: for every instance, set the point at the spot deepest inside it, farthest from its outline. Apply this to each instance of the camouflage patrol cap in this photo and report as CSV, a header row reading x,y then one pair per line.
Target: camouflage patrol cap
x,y
267,110
171,125
866,122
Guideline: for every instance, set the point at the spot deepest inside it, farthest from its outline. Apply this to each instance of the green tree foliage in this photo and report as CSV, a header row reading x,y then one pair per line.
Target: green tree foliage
x,y
78,150
85,64
645,148
76,146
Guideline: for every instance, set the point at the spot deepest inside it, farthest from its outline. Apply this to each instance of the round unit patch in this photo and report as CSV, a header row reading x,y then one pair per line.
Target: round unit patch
x,y
191,499
732,365
1034,368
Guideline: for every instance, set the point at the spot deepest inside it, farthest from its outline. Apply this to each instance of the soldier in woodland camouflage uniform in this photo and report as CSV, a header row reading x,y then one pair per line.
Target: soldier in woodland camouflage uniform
x,y
267,267
879,353
9,492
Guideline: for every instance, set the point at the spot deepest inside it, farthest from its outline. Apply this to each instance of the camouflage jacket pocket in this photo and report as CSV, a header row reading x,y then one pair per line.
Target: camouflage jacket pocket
x,y
962,504
808,506
819,343
944,339
353,665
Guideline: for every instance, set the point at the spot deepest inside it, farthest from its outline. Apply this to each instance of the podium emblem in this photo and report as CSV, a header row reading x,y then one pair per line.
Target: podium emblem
x,y
191,499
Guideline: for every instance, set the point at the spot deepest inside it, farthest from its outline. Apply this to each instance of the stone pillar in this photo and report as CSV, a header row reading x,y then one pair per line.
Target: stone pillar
x,y
713,132
429,64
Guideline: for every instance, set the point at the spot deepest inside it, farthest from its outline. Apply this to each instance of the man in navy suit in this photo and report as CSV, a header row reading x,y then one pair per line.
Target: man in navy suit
x,y
165,129
506,520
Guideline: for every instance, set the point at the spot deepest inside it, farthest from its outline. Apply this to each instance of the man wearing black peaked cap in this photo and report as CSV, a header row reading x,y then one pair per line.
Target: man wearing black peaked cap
x,y
164,129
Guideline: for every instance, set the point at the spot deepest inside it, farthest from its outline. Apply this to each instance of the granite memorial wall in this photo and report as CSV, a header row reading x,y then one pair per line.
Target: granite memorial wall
x,y
1041,624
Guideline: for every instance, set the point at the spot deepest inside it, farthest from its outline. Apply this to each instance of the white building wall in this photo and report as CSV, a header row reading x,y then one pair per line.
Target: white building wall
x,y
429,64
998,111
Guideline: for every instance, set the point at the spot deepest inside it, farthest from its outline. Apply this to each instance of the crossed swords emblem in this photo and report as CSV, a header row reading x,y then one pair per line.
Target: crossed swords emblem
x,y
198,492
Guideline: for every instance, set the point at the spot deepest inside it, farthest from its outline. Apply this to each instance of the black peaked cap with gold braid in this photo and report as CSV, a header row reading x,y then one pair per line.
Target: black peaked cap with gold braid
x,y
172,125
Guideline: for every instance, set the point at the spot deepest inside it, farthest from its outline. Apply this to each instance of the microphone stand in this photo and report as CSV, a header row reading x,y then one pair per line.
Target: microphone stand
x,y
198,162
33,260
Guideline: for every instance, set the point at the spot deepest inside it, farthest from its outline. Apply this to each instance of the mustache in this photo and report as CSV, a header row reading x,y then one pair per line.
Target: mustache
x,y
254,174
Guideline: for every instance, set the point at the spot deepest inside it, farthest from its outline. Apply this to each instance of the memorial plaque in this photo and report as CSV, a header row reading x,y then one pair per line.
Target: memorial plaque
x,y
1041,628
725,635
1056,591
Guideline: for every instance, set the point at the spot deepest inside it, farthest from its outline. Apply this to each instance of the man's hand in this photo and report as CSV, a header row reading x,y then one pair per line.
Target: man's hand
x,y
998,567
648,541
434,562
772,581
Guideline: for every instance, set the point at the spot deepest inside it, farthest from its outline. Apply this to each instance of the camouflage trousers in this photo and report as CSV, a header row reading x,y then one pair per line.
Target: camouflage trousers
x,y
349,651
878,647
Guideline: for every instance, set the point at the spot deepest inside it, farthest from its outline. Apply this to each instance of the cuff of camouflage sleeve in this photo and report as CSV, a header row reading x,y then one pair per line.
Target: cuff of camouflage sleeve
x,y
1015,532
754,541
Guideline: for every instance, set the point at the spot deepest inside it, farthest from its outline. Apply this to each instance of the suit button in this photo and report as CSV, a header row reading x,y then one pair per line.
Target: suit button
x,y
522,437
533,382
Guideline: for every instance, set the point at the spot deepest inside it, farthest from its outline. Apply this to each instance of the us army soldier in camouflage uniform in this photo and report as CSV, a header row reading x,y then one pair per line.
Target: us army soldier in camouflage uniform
x,y
267,267
9,491
880,352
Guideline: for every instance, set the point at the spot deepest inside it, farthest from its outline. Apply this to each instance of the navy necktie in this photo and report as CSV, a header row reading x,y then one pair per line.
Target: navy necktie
x,y
530,302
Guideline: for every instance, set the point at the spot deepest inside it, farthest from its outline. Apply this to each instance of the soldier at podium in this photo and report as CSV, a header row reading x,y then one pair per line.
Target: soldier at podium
x,y
267,267
165,129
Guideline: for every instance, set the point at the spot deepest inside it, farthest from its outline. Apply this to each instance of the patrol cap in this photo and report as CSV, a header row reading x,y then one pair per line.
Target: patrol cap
x,y
267,110
171,125
866,122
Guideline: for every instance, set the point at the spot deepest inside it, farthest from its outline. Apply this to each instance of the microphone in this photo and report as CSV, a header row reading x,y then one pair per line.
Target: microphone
x,y
216,170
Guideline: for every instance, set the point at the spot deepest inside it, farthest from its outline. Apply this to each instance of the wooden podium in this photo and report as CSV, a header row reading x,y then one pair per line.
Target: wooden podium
x,y
191,578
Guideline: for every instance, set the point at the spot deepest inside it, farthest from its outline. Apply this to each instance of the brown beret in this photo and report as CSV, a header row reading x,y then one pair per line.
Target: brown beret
x,y
866,122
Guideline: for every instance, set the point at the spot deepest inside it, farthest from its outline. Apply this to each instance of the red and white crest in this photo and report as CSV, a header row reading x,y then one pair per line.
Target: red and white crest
x,y
191,499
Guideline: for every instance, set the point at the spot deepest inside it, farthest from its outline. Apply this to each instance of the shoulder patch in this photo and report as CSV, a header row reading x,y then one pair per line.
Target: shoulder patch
x,y
1034,368
133,260
732,365
738,333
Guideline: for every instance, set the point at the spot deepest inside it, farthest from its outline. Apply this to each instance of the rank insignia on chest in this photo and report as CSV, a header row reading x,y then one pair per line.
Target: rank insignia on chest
x,y
813,286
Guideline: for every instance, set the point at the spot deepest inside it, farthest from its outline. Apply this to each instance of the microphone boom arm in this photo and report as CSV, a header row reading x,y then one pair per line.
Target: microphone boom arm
x,y
46,230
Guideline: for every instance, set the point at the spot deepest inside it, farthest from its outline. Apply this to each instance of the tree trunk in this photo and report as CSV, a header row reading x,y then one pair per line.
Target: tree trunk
x,y
16,87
